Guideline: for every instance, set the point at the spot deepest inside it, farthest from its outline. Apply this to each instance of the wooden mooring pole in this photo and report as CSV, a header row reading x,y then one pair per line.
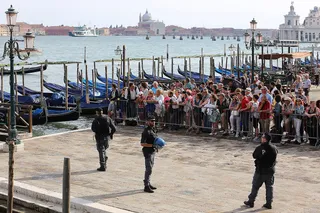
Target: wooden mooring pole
x,y
41,84
11,177
66,186
112,69
2,93
106,75
23,89
66,85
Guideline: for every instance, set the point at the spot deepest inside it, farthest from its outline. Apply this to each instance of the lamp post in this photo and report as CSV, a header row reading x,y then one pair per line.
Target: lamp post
x,y
251,42
11,48
232,49
122,53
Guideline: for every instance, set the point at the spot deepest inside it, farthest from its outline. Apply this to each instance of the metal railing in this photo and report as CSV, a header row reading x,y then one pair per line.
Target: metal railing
x,y
247,125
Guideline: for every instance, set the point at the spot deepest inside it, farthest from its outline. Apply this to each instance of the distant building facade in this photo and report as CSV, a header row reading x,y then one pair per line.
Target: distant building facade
x,y
309,31
151,26
58,30
104,31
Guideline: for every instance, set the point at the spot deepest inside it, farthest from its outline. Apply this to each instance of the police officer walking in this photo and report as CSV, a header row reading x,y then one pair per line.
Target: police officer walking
x,y
104,129
149,150
265,157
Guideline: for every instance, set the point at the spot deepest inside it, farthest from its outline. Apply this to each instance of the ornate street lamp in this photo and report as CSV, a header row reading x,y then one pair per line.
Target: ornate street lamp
x,y
11,48
122,53
251,42
118,51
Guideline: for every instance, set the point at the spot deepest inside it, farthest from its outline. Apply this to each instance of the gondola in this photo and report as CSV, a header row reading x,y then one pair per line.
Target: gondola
x,y
41,116
58,88
103,79
190,74
54,102
27,70
153,78
172,76
132,77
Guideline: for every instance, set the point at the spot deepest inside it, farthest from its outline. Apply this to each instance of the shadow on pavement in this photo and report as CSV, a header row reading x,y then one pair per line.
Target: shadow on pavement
x,y
56,175
112,195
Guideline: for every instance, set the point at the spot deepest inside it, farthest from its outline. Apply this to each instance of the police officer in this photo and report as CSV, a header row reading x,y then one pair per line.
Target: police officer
x,y
104,129
265,157
149,150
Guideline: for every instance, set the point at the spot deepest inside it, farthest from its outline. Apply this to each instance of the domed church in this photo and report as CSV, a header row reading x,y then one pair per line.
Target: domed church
x,y
152,27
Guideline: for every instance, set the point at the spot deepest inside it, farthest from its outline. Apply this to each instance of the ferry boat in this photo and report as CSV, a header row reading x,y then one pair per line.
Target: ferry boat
x,y
83,31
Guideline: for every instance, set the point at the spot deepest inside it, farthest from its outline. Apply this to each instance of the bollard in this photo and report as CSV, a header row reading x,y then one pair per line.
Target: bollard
x,y
66,186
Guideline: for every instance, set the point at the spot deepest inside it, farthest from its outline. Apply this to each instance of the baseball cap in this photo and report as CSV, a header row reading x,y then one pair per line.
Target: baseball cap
x,y
248,89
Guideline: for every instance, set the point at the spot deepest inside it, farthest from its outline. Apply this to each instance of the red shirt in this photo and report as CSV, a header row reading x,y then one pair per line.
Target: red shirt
x,y
266,106
244,103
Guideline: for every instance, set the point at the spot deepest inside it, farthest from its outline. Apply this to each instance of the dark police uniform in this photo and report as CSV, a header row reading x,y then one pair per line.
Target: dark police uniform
x,y
103,128
148,136
265,157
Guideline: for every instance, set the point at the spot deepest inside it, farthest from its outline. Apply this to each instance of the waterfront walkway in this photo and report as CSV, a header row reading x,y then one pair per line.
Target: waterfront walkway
x,y
193,174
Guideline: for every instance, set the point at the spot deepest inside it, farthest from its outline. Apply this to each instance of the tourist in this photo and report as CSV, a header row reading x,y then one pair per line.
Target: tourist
x,y
298,112
149,150
277,111
312,125
287,110
149,104
213,114
297,84
101,126
131,95
155,87
301,96
174,110
112,98
235,116
264,92
306,87
244,114
223,105
159,104
264,110
255,116
265,156
197,115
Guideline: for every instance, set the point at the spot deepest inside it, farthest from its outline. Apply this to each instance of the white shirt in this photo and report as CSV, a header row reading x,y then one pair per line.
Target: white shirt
x,y
306,83
133,94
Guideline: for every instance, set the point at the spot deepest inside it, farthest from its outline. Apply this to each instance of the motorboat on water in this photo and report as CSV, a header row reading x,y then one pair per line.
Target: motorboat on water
x,y
83,31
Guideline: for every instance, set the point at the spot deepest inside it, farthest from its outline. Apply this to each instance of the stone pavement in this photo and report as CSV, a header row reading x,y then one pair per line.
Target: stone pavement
x,y
193,174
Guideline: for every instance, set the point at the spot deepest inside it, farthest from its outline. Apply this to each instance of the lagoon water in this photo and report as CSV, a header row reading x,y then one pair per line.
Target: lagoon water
x,y
65,48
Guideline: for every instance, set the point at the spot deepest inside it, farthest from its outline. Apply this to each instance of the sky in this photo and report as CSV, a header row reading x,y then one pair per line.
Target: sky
x,y
185,13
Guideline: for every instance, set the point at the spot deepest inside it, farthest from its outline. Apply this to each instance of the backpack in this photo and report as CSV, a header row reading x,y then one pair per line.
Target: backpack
x,y
102,126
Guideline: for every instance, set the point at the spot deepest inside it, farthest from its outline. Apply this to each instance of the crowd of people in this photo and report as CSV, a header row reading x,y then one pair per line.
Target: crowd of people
x,y
236,109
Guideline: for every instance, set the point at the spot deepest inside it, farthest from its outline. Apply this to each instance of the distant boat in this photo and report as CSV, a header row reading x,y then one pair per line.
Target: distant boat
x,y
238,39
197,36
174,37
192,37
188,37
234,37
201,37
181,38
163,37
83,31
147,37
228,38
222,38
